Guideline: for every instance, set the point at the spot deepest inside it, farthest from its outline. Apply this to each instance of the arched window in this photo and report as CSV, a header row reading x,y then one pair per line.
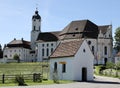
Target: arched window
x,y
55,66
47,53
34,28
105,50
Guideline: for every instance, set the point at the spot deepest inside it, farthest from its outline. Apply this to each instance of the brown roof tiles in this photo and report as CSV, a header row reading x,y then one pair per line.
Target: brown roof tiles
x,y
67,48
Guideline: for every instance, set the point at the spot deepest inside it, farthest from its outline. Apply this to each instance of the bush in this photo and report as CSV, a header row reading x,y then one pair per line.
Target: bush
x,y
99,69
20,80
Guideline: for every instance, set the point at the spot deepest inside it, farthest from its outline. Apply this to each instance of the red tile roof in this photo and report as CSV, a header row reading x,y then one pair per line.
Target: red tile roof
x,y
67,49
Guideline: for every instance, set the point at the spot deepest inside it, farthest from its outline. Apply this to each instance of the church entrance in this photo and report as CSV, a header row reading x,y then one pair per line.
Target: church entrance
x,y
84,74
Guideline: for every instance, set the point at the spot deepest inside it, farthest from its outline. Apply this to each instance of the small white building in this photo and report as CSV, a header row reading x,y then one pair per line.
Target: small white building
x,y
72,60
19,47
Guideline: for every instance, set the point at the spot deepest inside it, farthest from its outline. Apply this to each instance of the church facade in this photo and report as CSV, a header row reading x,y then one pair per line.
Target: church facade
x,y
43,44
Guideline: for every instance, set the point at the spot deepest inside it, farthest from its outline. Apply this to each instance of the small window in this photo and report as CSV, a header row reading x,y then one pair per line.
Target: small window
x,y
105,50
47,45
42,45
51,49
63,68
47,53
51,44
73,35
34,28
14,50
89,42
76,29
42,52
93,49
84,50
55,66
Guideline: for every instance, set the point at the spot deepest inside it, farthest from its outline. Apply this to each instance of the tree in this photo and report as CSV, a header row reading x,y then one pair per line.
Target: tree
x,y
16,57
117,39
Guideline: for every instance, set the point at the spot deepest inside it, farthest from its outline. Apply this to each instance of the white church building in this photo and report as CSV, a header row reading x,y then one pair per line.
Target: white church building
x,y
72,60
43,44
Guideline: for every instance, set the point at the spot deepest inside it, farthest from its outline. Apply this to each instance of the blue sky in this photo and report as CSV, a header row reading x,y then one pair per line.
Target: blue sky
x,y
15,15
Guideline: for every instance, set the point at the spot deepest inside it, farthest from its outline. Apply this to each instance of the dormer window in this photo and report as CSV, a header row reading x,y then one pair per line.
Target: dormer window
x,y
76,29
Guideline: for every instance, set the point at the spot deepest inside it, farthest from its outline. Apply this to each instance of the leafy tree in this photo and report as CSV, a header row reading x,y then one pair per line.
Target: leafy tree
x,y
117,39
16,57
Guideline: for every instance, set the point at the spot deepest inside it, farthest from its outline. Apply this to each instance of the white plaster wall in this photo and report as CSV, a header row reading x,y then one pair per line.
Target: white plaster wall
x,y
40,47
83,59
68,75
23,53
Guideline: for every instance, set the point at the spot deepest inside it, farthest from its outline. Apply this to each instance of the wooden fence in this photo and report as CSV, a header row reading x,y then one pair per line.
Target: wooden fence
x,y
11,78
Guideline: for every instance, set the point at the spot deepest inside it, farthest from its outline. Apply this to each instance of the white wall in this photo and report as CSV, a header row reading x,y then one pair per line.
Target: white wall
x,y
45,46
69,68
83,59
75,64
23,53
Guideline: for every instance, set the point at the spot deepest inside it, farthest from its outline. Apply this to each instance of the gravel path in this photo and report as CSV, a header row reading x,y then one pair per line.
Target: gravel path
x,y
99,82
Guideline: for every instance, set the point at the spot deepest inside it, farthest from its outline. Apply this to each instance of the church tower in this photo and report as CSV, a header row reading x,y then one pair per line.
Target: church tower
x,y
36,28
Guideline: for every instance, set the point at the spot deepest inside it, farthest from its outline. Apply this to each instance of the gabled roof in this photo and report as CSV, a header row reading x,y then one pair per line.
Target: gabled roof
x,y
67,48
48,36
19,43
80,29
103,28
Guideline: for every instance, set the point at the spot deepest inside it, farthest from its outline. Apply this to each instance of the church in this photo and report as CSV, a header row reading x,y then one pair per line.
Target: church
x,y
43,45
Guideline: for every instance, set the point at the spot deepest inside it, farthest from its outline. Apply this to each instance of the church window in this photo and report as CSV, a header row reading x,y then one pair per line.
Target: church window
x,y
93,49
105,50
51,44
42,45
42,52
47,53
73,35
34,28
76,29
63,68
55,66
51,49
47,45
84,50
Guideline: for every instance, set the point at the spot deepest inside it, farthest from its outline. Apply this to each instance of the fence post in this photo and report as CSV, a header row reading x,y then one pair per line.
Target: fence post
x,y
3,78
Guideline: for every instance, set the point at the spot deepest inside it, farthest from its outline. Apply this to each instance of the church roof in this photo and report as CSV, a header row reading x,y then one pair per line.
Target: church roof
x,y
103,28
67,48
19,43
48,36
80,29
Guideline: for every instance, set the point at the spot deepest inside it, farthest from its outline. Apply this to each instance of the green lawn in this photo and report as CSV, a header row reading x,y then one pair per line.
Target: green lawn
x,y
29,83
20,68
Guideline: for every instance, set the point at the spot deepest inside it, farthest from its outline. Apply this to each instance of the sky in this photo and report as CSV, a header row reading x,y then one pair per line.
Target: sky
x,y
16,15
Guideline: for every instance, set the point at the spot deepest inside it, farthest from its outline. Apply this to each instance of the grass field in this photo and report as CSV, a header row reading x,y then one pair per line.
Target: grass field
x,y
21,68
26,68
